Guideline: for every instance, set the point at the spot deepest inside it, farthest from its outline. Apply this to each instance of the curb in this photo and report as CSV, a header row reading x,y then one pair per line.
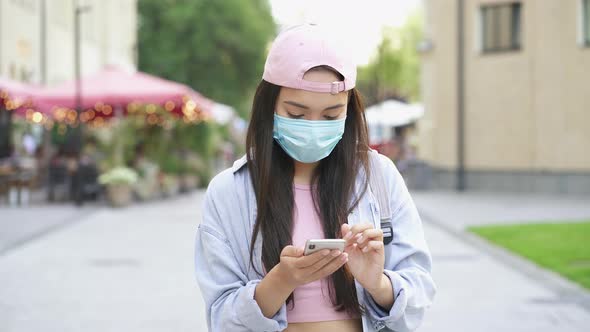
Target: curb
x,y
564,289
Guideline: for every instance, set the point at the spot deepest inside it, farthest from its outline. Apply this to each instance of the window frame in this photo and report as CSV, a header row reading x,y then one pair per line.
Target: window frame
x,y
492,11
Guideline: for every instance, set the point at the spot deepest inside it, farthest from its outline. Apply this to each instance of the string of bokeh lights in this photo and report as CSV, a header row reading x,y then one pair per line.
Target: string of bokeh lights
x,y
151,114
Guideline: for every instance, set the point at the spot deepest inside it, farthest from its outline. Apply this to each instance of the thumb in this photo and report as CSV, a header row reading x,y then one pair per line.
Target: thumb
x,y
345,228
292,251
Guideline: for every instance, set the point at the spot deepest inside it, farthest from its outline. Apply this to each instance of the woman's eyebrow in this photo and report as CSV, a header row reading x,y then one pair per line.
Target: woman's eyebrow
x,y
296,104
305,107
333,107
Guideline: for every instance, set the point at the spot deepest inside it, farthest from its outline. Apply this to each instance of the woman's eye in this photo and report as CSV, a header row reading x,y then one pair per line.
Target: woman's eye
x,y
330,117
295,116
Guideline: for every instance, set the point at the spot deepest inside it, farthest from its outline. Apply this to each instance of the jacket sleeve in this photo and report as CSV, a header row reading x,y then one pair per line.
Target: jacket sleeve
x,y
225,286
408,262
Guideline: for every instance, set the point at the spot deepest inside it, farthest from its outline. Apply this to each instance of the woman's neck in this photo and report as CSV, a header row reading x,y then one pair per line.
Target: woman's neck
x,y
303,172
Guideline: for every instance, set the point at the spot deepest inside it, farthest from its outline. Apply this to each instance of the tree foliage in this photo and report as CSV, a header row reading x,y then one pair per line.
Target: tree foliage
x,y
394,72
216,47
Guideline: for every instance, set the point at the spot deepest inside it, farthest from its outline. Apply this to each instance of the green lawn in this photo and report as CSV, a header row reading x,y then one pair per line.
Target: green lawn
x,y
562,247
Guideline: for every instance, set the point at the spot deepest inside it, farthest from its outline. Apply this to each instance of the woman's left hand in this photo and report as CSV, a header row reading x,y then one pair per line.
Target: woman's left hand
x,y
366,255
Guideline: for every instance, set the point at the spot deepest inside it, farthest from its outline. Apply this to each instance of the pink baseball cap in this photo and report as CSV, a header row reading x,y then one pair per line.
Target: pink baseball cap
x,y
302,47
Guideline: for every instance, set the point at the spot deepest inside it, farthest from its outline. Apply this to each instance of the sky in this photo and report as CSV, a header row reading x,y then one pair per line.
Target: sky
x,y
360,22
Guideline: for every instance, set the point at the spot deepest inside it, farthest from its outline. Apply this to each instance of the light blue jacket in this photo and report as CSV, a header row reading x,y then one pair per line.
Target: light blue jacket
x,y
227,280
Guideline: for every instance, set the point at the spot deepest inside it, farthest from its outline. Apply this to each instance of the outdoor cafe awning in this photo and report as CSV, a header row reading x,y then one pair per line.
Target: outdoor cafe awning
x,y
115,91
393,113
15,95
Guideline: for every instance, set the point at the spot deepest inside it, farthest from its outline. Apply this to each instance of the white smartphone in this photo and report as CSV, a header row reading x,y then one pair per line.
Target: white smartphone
x,y
312,246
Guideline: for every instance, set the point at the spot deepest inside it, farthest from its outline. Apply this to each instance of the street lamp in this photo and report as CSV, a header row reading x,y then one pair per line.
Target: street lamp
x,y
461,184
78,11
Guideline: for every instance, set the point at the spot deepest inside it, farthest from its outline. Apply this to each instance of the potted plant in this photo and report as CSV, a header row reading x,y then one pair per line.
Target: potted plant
x,y
190,179
147,185
171,170
192,167
170,185
119,182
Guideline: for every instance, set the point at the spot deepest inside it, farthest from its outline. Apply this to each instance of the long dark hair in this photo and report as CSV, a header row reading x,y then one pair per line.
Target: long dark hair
x,y
272,171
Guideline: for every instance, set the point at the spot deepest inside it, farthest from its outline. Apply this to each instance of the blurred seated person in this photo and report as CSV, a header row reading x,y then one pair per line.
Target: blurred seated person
x,y
19,161
16,175
90,155
85,180
60,169
27,159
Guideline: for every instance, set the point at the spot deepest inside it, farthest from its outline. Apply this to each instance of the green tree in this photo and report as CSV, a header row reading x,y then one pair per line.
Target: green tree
x,y
394,72
216,47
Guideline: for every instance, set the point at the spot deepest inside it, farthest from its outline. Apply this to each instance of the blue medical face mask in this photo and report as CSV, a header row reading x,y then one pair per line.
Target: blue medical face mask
x,y
307,141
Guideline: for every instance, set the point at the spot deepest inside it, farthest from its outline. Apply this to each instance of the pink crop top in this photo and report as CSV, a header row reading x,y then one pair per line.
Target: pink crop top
x,y
312,301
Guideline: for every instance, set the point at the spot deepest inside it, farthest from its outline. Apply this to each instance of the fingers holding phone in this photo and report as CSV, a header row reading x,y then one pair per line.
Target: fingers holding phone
x,y
363,237
364,244
299,269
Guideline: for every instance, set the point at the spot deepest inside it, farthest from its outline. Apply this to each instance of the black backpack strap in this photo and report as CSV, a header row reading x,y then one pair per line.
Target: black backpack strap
x,y
381,191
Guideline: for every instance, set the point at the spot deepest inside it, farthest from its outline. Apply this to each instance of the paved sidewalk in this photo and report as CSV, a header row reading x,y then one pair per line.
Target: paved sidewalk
x,y
132,270
19,225
478,292
485,288
459,210
115,270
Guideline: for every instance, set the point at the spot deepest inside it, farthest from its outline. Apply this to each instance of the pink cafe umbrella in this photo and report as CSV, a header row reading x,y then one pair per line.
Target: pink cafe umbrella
x,y
15,95
18,98
115,91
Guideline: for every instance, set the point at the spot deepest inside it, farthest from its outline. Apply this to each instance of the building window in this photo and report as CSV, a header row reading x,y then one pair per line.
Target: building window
x,y
501,27
586,22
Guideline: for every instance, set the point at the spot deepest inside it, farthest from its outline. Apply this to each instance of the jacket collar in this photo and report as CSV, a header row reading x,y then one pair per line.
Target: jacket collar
x,y
238,164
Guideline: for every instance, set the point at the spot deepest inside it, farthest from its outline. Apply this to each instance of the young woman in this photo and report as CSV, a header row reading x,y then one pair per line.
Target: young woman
x,y
309,174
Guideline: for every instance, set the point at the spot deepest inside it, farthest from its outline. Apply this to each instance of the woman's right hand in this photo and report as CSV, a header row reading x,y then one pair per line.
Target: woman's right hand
x,y
296,269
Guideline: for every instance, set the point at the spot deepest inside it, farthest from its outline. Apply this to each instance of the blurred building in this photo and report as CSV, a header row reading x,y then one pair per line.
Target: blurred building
x,y
37,37
524,96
